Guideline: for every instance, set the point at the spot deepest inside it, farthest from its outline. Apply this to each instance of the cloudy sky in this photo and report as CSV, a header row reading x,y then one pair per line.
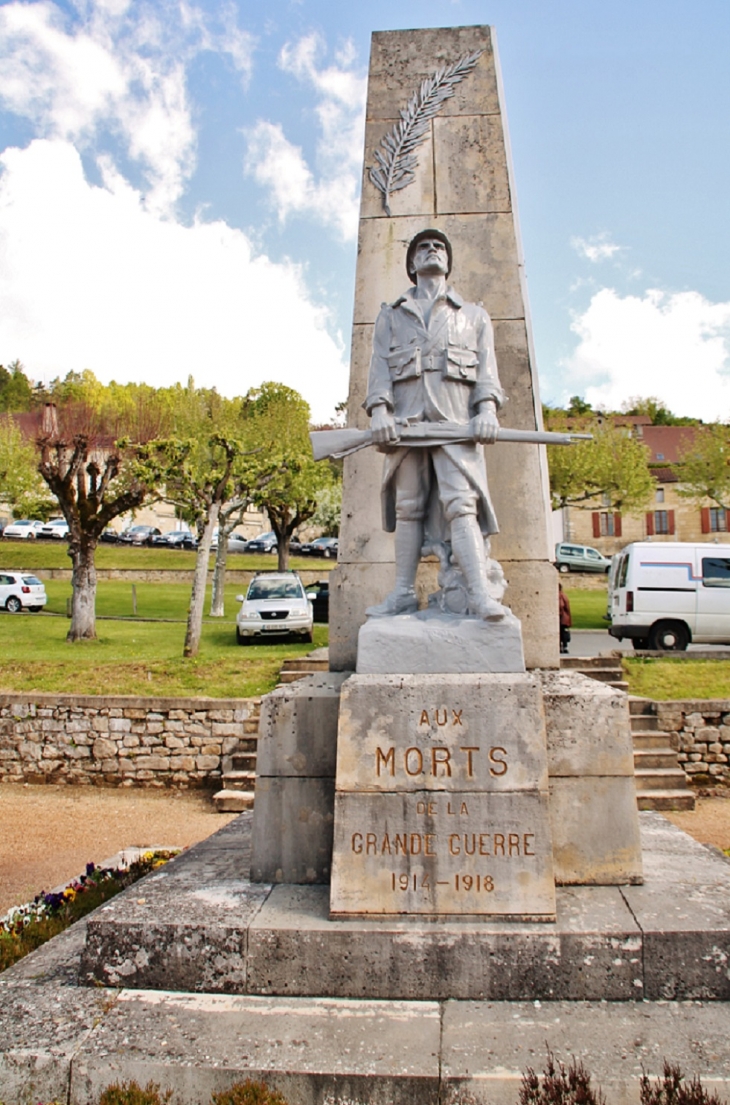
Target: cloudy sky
x,y
179,189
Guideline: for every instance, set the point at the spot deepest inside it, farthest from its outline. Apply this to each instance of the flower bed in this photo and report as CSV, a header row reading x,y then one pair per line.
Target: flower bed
x,y
24,928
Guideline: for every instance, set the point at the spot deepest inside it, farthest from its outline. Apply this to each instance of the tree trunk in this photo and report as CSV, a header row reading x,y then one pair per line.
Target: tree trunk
x,y
217,598
200,578
83,603
283,553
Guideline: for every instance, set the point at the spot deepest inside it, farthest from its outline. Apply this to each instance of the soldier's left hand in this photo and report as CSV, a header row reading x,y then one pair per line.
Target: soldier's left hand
x,y
484,425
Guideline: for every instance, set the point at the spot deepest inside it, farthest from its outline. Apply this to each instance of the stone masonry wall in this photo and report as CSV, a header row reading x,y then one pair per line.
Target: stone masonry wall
x,y
700,731
118,741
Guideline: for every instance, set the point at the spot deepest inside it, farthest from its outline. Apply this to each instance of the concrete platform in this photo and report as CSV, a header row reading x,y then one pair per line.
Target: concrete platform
x,y
199,925
63,1042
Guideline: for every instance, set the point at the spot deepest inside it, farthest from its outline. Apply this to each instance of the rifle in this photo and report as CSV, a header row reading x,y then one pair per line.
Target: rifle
x,y
341,443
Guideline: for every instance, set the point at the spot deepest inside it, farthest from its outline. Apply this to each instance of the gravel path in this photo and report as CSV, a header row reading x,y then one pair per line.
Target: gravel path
x,y
48,833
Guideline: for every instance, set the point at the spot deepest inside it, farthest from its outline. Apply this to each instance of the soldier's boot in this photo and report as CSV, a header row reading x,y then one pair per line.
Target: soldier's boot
x,y
402,599
467,545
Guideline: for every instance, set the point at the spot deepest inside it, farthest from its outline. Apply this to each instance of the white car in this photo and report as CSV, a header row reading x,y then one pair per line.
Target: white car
x,y
275,605
19,590
25,528
56,528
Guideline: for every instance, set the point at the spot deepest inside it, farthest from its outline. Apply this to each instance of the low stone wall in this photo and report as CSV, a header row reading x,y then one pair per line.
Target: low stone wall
x,y
118,741
700,731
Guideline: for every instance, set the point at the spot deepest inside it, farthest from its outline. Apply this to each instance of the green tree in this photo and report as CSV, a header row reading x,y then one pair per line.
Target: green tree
x,y
328,512
655,409
210,468
704,466
16,391
21,487
88,446
279,420
612,465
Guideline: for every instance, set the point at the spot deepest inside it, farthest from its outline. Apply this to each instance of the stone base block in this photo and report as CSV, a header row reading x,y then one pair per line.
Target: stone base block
x,y
595,827
292,838
430,643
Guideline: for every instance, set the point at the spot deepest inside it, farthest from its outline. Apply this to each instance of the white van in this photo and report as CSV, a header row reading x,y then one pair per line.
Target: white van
x,y
664,595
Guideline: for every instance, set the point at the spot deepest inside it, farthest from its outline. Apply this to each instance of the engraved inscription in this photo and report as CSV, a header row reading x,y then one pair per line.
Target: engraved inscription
x,y
439,760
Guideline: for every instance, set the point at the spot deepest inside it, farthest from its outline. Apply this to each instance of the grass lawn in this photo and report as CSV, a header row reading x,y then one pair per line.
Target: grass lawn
x,y
32,555
586,607
678,677
137,656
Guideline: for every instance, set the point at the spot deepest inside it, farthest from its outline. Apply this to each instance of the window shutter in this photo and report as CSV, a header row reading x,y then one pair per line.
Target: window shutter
x,y
705,519
650,524
617,525
596,524
670,521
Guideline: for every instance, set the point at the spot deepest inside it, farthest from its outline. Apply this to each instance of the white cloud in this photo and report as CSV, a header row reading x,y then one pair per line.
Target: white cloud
x,y
331,195
674,346
117,70
595,249
91,278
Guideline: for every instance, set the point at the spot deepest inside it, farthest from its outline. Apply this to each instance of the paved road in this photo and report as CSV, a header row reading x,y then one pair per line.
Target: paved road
x,y
594,642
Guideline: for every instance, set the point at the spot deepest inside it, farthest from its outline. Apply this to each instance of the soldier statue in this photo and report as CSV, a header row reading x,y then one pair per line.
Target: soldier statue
x,y
433,362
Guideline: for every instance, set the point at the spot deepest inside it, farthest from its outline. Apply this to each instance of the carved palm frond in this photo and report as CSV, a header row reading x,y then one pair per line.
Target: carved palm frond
x,y
396,160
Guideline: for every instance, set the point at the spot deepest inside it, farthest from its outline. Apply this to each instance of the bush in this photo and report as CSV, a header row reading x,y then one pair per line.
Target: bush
x,y
560,1085
672,1090
247,1093
131,1093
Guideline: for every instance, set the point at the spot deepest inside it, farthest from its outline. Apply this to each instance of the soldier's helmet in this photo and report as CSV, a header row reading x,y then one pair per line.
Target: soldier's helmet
x,y
413,245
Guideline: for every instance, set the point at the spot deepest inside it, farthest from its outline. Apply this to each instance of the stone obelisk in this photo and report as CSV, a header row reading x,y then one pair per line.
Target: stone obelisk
x,y
461,183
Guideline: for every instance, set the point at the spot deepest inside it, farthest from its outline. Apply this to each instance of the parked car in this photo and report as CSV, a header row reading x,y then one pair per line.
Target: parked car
x,y
27,529
264,543
175,539
275,605
57,528
580,558
319,595
321,546
20,591
237,543
109,536
139,535
666,594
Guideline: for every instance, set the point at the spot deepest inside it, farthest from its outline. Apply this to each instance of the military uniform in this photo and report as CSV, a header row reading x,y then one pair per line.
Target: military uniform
x,y
433,371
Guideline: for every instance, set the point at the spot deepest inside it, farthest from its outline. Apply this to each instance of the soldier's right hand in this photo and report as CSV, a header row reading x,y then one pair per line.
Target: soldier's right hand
x,y
382,425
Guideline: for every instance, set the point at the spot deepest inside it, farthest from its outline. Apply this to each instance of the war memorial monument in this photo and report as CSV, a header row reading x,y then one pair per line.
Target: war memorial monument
x,y
446,872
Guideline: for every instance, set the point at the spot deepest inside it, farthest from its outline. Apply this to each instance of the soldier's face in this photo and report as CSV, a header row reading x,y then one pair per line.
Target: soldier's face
x,y
430,258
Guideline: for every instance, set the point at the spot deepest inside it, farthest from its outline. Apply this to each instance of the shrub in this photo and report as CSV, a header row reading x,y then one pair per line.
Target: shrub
x,y
673,1090
246,1093
560,1085
131,1093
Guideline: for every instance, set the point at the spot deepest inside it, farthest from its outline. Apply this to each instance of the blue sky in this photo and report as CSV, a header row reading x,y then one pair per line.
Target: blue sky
x,y
179,189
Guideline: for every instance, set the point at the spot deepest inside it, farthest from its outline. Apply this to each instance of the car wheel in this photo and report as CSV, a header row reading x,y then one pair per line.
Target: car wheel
x,y
35,609
308,637
669,637
640,642
563,568
13,605
242,638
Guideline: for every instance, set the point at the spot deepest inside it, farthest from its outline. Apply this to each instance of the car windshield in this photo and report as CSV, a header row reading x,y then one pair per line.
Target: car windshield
x,y
274,589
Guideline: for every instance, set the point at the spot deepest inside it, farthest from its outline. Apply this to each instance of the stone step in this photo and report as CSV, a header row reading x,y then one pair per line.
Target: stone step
x,y
642,723
243,761
586,662
661,778
665,799
247,744
239,780
639,705
292,676
652,738
233,801
305,664
251,725
648,758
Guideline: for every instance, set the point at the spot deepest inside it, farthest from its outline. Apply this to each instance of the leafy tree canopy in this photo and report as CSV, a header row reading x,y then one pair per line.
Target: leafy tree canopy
x,y
613,466
704,466
16,390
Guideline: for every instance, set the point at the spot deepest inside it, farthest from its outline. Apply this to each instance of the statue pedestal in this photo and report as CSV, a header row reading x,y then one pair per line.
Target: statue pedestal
x,y
441,800
430,642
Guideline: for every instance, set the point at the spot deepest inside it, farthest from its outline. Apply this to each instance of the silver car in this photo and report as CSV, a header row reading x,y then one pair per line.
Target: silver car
x,y
275,605
19,591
